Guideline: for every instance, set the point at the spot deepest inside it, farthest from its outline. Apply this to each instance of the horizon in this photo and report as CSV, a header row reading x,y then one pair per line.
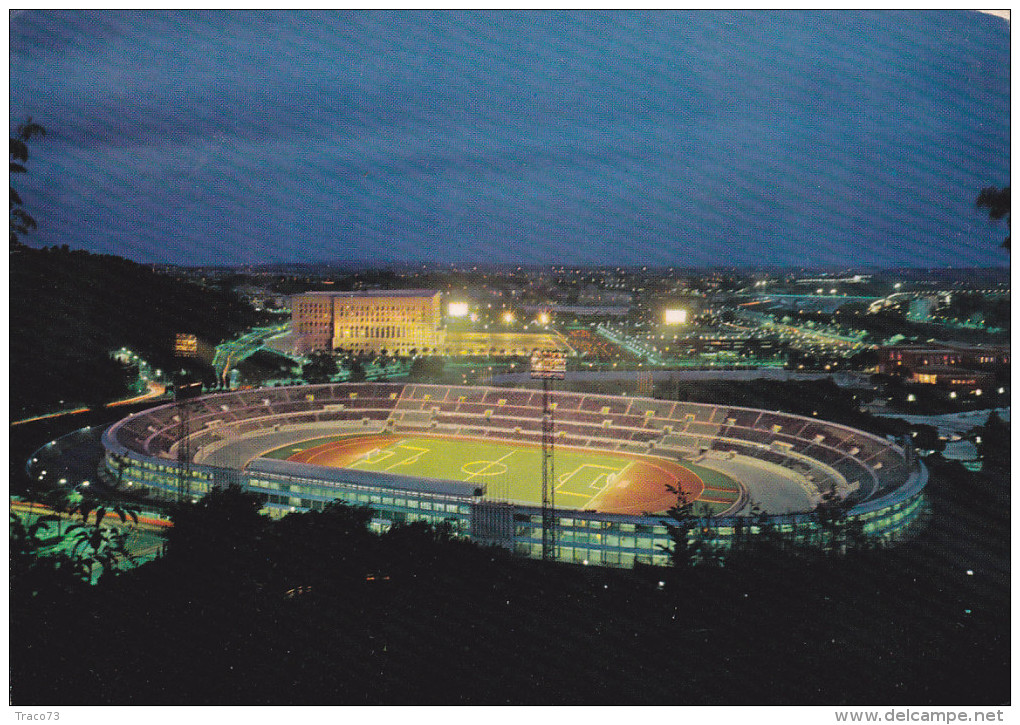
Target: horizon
x,y
348,266
354,266
667,139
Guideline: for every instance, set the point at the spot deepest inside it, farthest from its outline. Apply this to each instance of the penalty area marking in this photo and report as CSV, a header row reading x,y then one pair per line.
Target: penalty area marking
x,y
601,482
615,483
567,476
413,458
375,455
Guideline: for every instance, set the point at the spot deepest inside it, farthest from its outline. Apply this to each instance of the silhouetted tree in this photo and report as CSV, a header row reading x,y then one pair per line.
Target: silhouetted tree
x,y
225,520
61,501
357,374
996,200
102,547
35,568
682,550
320,368
426,369
994,447
21,222
836,529
85,505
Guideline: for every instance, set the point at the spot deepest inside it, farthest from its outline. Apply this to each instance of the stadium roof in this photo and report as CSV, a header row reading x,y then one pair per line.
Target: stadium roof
x,y
363,478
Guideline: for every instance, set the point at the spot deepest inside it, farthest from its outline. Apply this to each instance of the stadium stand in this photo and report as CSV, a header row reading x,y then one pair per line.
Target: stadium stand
x,y
832,457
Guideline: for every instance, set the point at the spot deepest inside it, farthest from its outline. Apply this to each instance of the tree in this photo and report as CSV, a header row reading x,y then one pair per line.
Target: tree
x,y
996,200
837,530
21,222
86,505
320,368
357,372
425,369
60,500
222,525
682,550
34,567
102,547
994,444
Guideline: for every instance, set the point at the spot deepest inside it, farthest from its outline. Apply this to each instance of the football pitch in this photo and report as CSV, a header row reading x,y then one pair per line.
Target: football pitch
x,y
512,471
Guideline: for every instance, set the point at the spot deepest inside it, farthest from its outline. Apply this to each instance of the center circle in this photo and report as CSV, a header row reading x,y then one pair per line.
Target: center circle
x,y
484,468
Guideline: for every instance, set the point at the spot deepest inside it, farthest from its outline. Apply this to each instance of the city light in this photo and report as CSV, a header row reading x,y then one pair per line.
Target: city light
x,y
458,309
675,317
543,318
508,317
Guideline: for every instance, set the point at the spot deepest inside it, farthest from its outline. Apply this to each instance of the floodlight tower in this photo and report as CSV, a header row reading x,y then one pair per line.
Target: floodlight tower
x,y
548,366
548,477
185,346
183,450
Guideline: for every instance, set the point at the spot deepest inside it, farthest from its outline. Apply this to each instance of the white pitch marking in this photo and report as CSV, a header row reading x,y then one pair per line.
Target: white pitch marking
x,y
498,460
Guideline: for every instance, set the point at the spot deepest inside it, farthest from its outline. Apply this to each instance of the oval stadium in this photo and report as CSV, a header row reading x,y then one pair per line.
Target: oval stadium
x,y
473,457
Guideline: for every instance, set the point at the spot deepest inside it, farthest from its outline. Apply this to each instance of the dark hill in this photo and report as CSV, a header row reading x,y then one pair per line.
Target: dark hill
x,y
70,309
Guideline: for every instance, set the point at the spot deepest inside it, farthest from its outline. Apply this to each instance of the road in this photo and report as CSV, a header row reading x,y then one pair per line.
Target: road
x,y
231,353
156,391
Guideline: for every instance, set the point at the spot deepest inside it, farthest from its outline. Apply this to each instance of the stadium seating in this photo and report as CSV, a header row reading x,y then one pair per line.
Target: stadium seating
x,y
833,457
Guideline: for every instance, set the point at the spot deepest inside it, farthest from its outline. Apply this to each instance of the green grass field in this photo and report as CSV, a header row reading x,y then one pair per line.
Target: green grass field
x,y
507,470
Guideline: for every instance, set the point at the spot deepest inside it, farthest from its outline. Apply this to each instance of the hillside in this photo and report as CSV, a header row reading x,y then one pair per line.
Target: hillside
x,y
69,309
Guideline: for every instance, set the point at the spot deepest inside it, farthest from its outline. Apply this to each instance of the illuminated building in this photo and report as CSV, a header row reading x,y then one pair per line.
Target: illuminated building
x,y
965,356
952,377
953,366
397,321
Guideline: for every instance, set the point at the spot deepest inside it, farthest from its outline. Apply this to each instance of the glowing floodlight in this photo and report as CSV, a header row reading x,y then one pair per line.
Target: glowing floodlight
x,y
543,318
458,309
675,317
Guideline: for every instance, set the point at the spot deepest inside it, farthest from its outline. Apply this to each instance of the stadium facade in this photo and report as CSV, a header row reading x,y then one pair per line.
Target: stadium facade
x,y
225,436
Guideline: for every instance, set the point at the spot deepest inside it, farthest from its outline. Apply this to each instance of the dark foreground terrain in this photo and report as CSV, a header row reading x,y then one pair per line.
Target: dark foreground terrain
x,y
312,609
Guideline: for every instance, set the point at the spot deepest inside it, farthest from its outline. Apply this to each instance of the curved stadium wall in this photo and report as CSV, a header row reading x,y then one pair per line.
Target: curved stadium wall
x,y
167,451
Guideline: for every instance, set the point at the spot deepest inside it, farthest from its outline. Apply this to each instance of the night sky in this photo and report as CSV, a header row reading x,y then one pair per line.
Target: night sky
x,y
704,138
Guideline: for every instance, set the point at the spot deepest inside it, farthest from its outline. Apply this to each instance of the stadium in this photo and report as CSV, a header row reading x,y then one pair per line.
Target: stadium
x,y
472,457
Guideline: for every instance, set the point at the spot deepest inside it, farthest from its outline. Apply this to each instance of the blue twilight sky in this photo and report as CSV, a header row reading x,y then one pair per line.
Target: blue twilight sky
x,y
693,138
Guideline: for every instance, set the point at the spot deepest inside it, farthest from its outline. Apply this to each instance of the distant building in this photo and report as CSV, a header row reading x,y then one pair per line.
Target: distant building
x,y
952,366
950,376
911,357
397,321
